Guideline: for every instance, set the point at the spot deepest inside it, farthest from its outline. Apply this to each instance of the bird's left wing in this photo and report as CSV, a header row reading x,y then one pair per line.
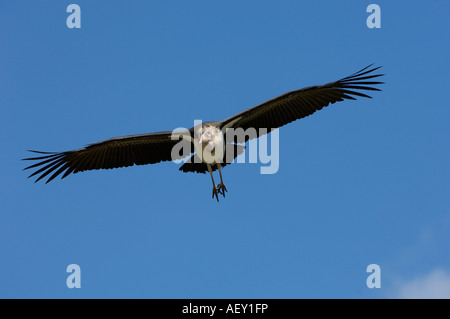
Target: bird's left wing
x,y
297,104
113,153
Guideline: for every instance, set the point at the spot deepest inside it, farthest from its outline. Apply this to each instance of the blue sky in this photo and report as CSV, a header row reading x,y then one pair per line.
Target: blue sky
x,y
361,182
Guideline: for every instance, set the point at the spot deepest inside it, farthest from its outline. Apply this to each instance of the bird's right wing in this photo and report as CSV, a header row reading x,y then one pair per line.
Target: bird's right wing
x,y
298,104
113,153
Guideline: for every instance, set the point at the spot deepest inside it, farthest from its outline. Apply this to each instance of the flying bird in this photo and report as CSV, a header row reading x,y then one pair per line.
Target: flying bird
x,y
208,141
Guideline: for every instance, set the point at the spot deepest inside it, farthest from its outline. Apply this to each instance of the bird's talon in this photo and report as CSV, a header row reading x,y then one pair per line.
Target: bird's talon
x,y
215,192
222,189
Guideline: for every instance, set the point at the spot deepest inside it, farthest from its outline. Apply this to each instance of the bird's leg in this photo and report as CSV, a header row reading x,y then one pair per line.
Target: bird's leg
x,y
215,189
221,186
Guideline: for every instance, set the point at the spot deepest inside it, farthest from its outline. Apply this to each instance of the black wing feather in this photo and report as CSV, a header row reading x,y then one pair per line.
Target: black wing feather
x,y
113,153
298,104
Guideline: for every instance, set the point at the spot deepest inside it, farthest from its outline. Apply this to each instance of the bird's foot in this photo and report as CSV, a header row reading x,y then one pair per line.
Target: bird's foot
x,y
215,192
222,189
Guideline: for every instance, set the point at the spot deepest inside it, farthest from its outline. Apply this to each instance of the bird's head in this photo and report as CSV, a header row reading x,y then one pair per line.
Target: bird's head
x,y
208,134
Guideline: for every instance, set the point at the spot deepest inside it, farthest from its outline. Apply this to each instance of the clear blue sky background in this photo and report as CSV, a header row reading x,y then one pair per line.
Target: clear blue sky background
x,y
360,182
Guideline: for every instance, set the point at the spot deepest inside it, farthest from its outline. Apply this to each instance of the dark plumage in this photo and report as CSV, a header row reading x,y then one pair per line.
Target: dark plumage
x,y
157,147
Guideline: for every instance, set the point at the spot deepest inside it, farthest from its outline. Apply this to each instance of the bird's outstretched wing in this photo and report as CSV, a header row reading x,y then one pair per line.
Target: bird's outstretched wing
x,y
113,153
297,104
